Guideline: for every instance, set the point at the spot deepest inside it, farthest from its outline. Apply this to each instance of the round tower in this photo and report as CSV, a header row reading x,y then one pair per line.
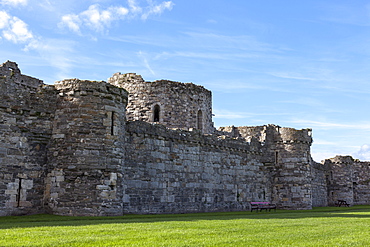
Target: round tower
x,y
292,158
173,104
87,149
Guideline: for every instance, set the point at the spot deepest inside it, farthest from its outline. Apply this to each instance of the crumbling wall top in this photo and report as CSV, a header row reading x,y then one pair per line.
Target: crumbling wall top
x,y
119,79
76,87
10,71
294,135
340,160
269,132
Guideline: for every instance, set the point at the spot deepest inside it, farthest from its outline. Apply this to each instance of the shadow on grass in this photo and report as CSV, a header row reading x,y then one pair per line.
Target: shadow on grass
x,y
9,222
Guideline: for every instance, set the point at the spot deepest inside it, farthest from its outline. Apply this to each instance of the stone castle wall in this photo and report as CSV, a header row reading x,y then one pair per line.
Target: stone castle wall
x,y
68,149
361,183
178,105
348,179
86,154
319,184
175,171
25,130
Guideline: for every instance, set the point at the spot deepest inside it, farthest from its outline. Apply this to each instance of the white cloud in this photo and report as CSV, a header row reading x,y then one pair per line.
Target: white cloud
x,y
99,19
18,31
363,153
134,8
14,2
57,52
94,18
157,9
4,19
72,21
14,29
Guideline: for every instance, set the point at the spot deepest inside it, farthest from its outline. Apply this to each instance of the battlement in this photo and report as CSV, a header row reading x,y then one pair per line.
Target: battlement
x,y
195,137
294,135
269,133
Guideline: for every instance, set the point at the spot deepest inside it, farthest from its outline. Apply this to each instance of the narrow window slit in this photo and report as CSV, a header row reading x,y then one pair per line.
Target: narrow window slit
x,y
19,193
200,120
276,157
112,123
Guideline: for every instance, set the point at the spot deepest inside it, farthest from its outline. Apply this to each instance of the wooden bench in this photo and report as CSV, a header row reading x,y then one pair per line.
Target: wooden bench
x,y
340,203
262,206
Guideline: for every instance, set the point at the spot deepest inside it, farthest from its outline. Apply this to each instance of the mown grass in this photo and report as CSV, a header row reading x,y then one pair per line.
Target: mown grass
x,y
318,227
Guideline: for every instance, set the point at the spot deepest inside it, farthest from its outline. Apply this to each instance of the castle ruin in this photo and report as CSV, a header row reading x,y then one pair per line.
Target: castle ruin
x,y
128,146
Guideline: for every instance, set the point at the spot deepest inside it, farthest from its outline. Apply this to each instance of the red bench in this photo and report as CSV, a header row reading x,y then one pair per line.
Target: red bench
x,y
262,206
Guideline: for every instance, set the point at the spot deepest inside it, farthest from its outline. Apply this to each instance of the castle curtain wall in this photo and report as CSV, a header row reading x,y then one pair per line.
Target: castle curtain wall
x,y
361,183
174,171
320,176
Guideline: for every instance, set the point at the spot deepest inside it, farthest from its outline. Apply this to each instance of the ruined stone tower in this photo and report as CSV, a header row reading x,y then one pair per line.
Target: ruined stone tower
x,y
292,178
86,153
173,104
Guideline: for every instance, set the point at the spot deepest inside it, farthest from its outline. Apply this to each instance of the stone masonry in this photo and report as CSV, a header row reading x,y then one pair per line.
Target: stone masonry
x,y
128,146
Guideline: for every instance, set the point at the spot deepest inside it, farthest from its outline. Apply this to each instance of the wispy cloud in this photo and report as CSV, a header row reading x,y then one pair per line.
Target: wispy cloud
x,y
206,40
145,61
58,53
225,43
307,101
347,13
99,19
331,125
229,114
294,76
239,85
212,21
153,9
93,18
14,2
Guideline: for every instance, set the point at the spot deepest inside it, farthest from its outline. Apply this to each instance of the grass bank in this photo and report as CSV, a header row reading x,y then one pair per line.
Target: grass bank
x,y
318,227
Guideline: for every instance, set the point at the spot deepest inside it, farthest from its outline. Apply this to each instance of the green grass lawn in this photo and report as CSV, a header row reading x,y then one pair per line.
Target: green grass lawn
x,y
319,227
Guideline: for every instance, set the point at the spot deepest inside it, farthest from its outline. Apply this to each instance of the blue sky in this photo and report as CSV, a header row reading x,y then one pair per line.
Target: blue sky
x,y
300,64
